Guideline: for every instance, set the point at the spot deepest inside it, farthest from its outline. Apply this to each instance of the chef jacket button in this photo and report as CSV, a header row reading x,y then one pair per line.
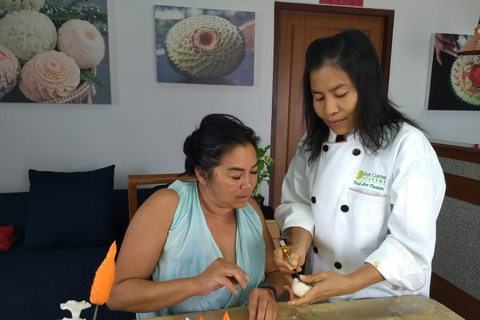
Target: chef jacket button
x,y
344,208
313,200
315,249
338,265
325,148
356,152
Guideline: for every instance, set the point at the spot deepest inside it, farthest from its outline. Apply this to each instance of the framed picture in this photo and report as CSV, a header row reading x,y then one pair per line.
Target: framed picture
x,y
54,51
205,46
454,81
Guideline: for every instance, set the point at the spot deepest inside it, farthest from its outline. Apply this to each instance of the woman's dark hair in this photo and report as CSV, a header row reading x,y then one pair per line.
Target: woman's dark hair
x,y
377,120
217,135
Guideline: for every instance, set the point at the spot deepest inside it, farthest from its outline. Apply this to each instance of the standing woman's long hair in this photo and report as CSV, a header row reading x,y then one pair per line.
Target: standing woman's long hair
x,y
377,121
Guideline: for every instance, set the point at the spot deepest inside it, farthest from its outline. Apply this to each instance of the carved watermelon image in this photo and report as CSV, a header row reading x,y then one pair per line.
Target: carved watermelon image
x,y
465,78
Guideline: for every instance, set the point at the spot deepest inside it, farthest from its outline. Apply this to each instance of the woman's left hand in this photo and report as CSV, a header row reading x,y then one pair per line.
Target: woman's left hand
x,y
332,284
262,305
326,285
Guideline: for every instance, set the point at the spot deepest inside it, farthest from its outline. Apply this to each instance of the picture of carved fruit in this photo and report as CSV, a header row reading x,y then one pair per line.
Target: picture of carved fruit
x,y
465,78
204,46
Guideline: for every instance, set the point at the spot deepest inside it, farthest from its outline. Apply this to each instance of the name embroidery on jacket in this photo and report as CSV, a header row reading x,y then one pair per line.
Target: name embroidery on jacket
x,y
370,180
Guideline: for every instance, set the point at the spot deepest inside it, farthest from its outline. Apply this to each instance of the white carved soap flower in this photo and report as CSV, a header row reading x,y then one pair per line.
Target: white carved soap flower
x,y
49,75
27,33
17,5
9,70
204,46
82,41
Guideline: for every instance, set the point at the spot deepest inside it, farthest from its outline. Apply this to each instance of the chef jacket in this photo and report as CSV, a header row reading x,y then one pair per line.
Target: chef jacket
x,y
363,207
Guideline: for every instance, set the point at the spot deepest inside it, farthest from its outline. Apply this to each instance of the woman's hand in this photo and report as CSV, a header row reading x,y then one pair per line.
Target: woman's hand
x,y
326,285
221,273
297,259
445,43
262,304
332,284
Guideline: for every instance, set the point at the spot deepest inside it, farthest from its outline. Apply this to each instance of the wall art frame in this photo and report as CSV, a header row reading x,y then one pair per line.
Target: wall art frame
x,y
454,80
204,46
65,58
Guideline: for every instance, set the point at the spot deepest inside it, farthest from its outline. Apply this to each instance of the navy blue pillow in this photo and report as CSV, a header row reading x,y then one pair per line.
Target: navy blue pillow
x,y
69,210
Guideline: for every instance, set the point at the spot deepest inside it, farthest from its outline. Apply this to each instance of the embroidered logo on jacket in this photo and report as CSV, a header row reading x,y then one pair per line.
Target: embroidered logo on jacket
x,y
370,180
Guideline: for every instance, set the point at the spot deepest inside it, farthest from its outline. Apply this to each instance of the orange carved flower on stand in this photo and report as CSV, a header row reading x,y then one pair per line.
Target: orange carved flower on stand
x,y
103,281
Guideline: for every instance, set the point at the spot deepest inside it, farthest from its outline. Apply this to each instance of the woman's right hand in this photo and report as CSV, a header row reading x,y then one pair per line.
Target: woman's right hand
x,y
445,43
297,259
221,273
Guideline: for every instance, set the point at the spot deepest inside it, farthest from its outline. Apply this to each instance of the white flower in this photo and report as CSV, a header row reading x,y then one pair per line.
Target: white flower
x,y
82,41
9,70
300,288
27,33
17,5
49,75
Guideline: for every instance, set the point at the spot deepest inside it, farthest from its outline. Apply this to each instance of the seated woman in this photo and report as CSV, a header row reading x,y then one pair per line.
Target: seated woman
x,y
202,245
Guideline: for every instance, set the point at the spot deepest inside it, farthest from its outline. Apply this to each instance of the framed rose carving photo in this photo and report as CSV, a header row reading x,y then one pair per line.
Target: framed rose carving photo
x,y
454,80
205,46
54,51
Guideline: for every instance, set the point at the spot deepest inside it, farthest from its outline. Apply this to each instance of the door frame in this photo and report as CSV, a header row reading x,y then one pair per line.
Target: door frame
x,y
280,121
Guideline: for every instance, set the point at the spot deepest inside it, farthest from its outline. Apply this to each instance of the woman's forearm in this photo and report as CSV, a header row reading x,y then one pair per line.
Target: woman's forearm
x,y
139,295
364,277
301,238
277,279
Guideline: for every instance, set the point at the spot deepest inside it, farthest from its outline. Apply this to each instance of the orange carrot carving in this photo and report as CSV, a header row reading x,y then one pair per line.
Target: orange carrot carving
x,y
102,283
226,316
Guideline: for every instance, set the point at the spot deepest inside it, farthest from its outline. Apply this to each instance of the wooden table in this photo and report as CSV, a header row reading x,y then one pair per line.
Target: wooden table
x,y
396,308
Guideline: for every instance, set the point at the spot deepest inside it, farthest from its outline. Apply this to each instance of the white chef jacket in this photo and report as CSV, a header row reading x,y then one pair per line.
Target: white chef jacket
x,y
368,208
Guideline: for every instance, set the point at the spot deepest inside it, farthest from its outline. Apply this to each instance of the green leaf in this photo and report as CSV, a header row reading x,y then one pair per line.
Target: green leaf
x,y
263,168
87,76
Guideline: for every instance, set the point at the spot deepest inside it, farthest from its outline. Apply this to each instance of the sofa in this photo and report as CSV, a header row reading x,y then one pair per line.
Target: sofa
x,y
63,227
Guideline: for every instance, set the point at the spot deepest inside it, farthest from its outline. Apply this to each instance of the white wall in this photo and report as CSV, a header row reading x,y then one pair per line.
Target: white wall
x,y
143,130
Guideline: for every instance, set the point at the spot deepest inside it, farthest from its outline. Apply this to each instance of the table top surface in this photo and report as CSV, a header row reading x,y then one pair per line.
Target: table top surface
x,y
393,308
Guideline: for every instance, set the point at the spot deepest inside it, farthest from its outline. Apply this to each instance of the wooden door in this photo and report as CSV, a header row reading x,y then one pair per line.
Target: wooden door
x,y
296,26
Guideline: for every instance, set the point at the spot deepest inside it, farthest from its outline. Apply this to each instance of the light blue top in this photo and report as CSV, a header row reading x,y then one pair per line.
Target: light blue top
x,y
190,249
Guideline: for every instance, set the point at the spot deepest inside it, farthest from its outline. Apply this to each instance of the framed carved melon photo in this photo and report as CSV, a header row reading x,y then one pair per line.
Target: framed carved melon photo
x,y
205,46
454,79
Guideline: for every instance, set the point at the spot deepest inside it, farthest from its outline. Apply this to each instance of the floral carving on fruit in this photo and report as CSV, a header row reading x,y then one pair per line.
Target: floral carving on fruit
x,y
465,78
27,33
59,45
17,5
82,41
205,46
49,75
205,40
474,76
9,70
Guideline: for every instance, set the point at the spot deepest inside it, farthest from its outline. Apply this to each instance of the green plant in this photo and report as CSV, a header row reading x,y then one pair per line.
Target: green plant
x,y
264,164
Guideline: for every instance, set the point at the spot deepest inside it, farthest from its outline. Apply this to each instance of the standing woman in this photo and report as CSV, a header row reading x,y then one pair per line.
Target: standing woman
x,y
203,245
362,194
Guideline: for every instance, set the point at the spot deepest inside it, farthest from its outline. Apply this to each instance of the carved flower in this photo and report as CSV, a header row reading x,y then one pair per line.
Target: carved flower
x,y
9,70
27,33
49,75
465,78
82,41
474,75
17,5
205,46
